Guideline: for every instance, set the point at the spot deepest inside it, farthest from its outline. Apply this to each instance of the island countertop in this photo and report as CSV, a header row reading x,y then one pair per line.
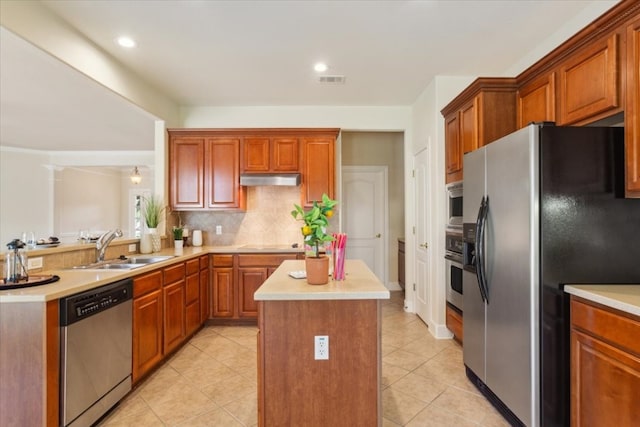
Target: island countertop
x,y
622,297
359,283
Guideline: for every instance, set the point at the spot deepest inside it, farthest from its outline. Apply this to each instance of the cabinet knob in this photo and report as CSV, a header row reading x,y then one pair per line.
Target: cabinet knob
x,y
378,235
424,245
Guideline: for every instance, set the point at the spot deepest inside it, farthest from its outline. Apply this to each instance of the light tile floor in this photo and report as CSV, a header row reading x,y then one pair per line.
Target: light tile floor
x,y
211,381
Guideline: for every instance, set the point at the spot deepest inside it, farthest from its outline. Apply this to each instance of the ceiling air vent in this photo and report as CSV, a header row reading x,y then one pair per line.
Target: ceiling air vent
x,y
332,79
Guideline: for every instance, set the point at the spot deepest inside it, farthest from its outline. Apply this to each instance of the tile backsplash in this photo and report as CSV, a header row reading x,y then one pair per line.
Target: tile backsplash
x,y
267,219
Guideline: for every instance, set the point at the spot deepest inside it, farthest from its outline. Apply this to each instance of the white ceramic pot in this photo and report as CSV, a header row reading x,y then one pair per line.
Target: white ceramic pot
x,y
145,244
178,244
156,242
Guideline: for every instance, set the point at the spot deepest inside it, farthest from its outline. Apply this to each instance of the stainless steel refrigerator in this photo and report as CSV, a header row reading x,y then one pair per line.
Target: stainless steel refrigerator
x,y
542,207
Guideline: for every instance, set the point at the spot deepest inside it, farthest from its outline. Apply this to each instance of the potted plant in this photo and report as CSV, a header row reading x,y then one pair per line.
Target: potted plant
x,y
314,230
177,237
153,208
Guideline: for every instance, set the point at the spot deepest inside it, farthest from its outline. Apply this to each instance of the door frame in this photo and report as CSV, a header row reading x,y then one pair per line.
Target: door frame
x,y
385,232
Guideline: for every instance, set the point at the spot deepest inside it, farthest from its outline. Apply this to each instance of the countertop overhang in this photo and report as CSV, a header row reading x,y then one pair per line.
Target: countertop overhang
x,y
621,297
359,283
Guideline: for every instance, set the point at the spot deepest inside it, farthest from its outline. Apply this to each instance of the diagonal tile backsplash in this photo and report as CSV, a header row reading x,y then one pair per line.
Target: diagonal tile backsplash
x,y
267,219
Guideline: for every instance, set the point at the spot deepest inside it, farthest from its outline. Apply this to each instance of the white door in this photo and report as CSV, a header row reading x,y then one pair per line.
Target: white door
x,y
421,276
364,210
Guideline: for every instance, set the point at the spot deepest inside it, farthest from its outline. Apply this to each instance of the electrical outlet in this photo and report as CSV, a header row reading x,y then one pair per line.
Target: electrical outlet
x,y
321,347
34,263
132,247
218,229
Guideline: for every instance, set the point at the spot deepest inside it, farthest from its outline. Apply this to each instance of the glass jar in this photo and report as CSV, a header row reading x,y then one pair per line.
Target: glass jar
x,y
15,264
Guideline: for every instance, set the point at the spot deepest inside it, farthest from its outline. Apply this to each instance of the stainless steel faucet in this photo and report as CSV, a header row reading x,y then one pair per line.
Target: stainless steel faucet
x,y
103,242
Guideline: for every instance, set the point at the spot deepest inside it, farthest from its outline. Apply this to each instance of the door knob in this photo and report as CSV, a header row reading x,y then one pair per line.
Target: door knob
x,y
378,235
424,245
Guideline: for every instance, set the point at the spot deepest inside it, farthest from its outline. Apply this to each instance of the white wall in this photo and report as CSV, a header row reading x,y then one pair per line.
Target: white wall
x,y
26,196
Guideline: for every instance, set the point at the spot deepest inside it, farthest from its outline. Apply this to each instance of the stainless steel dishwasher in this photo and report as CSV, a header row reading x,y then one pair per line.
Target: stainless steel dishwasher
x,y
95,352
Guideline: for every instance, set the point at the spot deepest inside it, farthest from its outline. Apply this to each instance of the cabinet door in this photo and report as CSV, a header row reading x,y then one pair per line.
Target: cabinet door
x,y
605,383
469,127
222,174
147,333
249,280
453,149
174,321
255,154
186,172
318,169
221,296
192,303
537,101
589,82
285,155
632,111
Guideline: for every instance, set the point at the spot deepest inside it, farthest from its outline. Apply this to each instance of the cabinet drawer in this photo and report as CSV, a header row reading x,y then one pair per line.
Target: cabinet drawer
x,y
173,274
222,260
619,329
193,265
263,260
204,262
147,283
454,322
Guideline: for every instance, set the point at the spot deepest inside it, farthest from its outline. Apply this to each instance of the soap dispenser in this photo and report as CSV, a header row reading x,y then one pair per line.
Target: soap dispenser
x,y
15,269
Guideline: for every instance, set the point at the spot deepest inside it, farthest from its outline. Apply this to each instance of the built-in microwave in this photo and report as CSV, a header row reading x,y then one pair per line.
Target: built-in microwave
x,y
454,205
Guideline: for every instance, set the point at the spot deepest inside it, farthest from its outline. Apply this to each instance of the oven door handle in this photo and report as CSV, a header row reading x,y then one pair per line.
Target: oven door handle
x,y
454,258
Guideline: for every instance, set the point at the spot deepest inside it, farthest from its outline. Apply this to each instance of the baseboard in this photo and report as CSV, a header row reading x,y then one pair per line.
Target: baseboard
x,y
441,332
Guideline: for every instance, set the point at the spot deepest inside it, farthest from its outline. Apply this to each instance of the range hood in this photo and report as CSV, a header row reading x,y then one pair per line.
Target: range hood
x,y
256,179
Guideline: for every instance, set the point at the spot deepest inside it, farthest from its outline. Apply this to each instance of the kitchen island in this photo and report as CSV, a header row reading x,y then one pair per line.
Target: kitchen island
x,y
294,387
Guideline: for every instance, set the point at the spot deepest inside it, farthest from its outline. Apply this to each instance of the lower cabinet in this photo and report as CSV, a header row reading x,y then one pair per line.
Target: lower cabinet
x,y
454,322
147,323
169,304
234,280
605,366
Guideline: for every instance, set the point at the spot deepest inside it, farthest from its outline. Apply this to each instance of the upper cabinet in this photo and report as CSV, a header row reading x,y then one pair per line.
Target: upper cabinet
x,y
205,164
632,110
263,154
484,112
592,77
537,100
589,82
318,168
204,172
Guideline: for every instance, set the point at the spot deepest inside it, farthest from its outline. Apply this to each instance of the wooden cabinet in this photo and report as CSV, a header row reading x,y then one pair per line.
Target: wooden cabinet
x,y
235,278
204,172
263,154
454,322
632,111
482,113
204,288
589,82
192,296
147,323
318,168
537,100
173,301
605,366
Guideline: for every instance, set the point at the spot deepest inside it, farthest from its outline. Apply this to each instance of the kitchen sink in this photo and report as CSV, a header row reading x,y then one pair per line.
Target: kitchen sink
x,y
123,264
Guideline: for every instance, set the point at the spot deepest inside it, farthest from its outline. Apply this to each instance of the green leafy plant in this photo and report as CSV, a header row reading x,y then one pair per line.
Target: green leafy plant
x,y
316,221
177,233
153,208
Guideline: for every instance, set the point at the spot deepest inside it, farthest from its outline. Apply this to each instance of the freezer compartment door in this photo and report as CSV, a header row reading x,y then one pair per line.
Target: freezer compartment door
x,y
474,325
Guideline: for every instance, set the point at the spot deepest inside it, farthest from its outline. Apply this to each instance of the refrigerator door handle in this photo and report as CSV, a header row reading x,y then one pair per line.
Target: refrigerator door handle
x,y
479,246
484,286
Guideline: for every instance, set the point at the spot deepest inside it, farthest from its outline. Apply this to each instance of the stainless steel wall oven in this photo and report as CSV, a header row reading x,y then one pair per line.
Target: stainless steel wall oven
x,y
453,263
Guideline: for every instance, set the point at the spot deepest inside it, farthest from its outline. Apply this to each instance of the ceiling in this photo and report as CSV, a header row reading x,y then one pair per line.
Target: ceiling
x,y
246,53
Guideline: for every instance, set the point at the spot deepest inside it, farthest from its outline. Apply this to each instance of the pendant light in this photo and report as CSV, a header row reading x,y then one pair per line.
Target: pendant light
x,y
136,178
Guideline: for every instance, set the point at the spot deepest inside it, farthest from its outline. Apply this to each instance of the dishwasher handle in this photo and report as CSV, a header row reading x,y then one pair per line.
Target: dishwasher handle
x,y
85,304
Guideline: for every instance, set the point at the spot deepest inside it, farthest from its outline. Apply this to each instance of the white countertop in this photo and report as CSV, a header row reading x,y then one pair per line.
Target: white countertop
x,y
359,283
621,297
74,281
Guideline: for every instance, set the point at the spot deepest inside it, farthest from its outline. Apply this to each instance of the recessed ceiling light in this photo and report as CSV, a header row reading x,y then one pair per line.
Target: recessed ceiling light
x,y
320,67
126,41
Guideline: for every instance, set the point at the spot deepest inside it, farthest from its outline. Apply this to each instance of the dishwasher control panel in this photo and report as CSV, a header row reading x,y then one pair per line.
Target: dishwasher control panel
x,y
78,306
